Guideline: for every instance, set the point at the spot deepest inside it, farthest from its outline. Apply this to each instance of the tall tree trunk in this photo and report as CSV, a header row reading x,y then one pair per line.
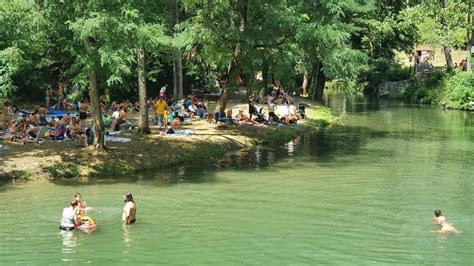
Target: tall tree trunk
x,y
304,86
99,139
321,85
143,125
319,80
264,76
313,80
470,39
446,50
233,67
179,70
178,60
449,58
175,78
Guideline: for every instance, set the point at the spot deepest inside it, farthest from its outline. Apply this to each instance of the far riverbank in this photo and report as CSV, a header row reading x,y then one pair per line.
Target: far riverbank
x,y
209,143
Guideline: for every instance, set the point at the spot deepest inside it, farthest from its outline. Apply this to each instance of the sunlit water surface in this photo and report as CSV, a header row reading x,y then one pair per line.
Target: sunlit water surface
x,y
359,194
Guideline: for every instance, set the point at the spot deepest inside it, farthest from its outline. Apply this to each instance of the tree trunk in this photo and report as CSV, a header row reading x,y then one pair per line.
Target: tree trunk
x,y
143,125
321,85
312,83
264,77
179,70
470,40
304,86
232,69
175,78
178,61
446,50
319,82
99,139
449,59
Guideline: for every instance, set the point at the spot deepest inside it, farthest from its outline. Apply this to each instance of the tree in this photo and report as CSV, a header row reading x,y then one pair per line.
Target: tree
x,y
470,34
97,45
145,34
325,36
445,25
22,44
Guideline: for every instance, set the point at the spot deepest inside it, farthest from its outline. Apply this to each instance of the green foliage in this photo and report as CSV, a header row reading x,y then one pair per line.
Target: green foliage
x,y
382,70
458,90
273,136
441,25
15,175
452,91
63,170
11,62
22,41
417,94
45,42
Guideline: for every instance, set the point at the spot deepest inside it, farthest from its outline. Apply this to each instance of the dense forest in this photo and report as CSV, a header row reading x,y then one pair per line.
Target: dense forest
x,y
131,47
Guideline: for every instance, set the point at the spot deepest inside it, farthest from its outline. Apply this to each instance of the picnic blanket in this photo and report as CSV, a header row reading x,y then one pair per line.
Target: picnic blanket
x,y
181,133
117,139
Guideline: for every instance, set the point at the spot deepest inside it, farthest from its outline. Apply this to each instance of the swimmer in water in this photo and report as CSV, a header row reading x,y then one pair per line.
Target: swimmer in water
x,y
440,219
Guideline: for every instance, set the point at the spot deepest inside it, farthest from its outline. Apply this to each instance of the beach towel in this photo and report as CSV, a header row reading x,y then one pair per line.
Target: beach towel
x,y
181,133
117,139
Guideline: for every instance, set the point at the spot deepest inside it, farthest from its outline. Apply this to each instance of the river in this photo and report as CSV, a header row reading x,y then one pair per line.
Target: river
x,y
361,193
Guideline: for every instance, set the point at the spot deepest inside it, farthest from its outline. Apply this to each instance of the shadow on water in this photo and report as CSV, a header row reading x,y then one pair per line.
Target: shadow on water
x,y
326,145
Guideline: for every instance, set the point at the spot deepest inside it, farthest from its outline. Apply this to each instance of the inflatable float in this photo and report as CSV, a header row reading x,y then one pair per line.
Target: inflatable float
x,y
87,223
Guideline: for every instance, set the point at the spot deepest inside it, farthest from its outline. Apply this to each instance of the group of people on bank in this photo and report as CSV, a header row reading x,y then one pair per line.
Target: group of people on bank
x,y
74,216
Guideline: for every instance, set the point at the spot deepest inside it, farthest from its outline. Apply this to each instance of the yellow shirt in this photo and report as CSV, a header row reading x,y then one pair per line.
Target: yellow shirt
x,y
160,107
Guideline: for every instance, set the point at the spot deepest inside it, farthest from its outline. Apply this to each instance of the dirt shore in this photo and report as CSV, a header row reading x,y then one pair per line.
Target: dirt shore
x,y
209,143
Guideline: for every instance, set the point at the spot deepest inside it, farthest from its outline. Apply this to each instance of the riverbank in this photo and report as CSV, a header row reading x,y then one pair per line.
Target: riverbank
x,y
208,144
449,91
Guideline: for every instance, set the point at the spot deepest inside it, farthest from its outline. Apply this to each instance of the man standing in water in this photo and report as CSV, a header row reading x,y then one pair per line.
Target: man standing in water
x,y
440,219
129,210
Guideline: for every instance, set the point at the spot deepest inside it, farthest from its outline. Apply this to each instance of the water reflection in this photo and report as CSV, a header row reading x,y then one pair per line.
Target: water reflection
x,y
69,241
127,239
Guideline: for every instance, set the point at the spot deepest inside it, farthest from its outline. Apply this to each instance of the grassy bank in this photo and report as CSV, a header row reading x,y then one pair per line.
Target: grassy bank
x,y
209,144
452,91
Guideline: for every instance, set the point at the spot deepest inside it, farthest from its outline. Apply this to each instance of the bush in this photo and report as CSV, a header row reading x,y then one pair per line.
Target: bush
x,y
17,175
458,90
382,70
67,170
418,93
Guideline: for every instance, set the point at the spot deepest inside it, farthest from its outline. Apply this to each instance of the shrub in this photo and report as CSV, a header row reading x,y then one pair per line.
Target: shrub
x,y
67,170
17,175
458,90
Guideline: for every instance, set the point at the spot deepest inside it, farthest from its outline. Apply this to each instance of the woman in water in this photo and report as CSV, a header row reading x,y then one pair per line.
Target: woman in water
x,y
70,218
440,219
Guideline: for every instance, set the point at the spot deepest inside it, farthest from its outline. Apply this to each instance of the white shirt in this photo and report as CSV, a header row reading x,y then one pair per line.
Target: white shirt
x,y
292,110
116,115
68,217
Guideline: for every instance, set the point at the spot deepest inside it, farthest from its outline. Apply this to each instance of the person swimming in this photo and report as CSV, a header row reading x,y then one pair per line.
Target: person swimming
x,y
441,220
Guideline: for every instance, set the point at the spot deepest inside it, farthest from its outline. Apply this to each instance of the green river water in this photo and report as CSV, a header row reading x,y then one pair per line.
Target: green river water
x,y
359,194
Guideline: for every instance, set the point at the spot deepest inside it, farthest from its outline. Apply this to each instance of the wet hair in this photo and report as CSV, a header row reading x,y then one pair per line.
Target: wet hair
x,y
437,213
128,197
